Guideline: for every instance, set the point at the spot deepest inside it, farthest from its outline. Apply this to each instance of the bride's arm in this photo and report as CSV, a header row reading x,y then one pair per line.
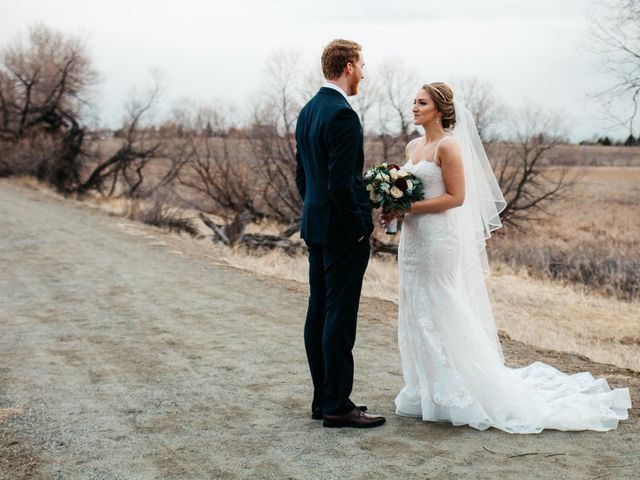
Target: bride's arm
x,y
453,175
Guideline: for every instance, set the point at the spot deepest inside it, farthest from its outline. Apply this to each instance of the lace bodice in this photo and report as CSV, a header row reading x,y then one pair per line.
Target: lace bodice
x,y
431,176
428,170
421,230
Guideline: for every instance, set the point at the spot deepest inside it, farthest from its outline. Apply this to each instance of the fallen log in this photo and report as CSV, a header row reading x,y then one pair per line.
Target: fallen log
x,y
217,229
231,233
254,241
383,249
291,229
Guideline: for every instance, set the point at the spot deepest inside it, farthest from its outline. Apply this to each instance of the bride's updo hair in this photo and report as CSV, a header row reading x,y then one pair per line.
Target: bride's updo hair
x,y
442,96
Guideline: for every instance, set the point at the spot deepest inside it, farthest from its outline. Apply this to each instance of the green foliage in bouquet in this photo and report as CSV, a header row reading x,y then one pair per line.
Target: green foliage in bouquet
x,y
392,188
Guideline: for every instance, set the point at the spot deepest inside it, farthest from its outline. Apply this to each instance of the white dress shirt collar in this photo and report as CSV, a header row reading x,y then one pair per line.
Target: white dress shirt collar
x,y
335,87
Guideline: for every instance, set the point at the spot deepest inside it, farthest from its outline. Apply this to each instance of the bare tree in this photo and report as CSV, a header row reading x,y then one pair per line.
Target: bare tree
x,y
123,172
44,84
215,172
384,105
365,104
528,184
480,98
527,180
272,134
219,175
398,86
615,30
310,81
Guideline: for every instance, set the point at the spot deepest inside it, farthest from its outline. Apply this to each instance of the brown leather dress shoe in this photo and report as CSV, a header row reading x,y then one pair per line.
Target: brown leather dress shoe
x,y
316,412
354,419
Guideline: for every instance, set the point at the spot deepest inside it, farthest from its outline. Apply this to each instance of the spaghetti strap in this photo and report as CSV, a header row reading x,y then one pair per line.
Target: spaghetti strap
x,y
435,153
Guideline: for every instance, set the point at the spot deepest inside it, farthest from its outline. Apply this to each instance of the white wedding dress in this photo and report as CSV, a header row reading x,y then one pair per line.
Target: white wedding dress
x,y
451,357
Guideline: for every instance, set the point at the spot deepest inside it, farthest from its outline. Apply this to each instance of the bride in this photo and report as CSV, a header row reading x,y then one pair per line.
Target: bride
x,y
452,360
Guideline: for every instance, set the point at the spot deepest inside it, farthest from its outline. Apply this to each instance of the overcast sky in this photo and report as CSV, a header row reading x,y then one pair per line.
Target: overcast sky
x,y
208,49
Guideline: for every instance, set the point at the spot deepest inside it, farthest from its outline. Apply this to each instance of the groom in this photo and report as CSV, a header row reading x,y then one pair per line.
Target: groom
x,y
336,224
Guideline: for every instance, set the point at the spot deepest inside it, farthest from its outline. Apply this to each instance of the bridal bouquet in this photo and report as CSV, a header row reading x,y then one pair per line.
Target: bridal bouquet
x,y
393,189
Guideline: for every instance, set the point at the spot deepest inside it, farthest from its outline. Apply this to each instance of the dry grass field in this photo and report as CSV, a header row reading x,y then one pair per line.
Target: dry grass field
x,y
585,155
591,238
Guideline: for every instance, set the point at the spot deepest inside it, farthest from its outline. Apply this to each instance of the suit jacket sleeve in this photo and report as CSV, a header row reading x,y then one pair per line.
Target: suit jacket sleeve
x,y
343,134
301,180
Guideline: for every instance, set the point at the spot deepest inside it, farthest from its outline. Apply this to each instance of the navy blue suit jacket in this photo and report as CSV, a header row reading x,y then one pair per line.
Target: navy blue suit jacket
x,y
330,159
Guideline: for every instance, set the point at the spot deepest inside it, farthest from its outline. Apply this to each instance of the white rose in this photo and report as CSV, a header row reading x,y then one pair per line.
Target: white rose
x,y
385,177
369,187
379,176
368,175
394,173
396,192
385,186
402,173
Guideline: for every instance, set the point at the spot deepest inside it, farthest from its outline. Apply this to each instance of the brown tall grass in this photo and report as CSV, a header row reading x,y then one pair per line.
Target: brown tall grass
x,y
582,155
591,239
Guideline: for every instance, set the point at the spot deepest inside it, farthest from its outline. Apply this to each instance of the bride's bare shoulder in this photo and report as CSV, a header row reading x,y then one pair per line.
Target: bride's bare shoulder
x,y
448,149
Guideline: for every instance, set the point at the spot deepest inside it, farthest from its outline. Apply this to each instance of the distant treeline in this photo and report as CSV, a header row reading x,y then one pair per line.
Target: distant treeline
x,y
630,141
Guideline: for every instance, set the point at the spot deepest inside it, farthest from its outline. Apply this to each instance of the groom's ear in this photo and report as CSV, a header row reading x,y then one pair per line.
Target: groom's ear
x,y
348,68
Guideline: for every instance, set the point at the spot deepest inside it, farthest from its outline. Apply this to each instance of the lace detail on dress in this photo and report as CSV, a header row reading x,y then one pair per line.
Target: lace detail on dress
x,y
422,230
449,364
450,391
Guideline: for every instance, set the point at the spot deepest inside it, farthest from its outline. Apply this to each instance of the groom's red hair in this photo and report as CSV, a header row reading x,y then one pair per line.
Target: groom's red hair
x,y
336,55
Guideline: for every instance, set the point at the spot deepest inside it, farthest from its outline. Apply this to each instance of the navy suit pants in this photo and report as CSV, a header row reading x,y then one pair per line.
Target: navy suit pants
x,y
336,270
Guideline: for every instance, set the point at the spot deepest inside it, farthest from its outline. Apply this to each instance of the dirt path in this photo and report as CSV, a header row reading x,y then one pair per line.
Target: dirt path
x,y
123,356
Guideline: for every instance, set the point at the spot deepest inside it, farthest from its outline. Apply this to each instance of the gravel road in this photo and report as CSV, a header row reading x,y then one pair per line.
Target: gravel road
x,y
125,355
